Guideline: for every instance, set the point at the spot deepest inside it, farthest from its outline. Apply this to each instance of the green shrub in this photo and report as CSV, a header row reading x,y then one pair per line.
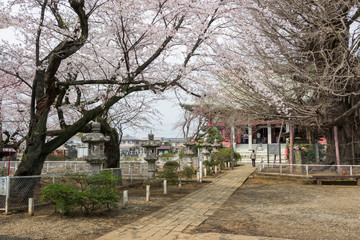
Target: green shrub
x,y
99,191
188,172
170,172
167,156
171,164
3,171
64,196
181,155
224,155
95,192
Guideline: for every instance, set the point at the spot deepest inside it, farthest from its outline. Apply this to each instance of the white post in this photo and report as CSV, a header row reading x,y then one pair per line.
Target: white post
x,y
165,186
351,173
179,182
7,194
147,193
75,166
269,133
204,172
47,167
280,168
125,199
31,206
200,172
215,169
250,137
307,170
198,176
131,173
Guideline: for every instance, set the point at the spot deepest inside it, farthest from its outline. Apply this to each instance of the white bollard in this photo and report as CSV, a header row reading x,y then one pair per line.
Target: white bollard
x,y
179,182
147,193
125,199
31,206
198,176
165,187
204,172
215,169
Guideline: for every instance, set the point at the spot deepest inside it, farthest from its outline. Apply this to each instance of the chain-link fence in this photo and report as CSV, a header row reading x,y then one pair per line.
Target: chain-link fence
x,y
309,170
50,167
15,191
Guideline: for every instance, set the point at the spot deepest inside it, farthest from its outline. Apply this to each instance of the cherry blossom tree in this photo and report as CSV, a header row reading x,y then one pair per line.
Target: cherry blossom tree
x,y
79,58
303,68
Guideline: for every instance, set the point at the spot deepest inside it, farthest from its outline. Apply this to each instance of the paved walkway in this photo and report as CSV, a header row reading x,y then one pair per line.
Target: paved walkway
x,y
179,219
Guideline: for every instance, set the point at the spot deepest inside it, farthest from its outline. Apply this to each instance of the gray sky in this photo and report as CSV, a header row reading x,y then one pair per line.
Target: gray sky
x,y
171,114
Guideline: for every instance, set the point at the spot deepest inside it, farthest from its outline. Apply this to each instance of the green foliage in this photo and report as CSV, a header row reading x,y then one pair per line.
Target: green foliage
x,y
171,164
224,155
3,171
214,133
64,196
170,172
188,171
211,163
208,170
95,192
308,152
99,191
167,156
55,157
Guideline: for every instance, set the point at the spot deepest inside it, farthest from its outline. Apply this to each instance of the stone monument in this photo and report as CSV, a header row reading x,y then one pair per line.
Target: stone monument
x,y
205,149
96,140
151,156
189,152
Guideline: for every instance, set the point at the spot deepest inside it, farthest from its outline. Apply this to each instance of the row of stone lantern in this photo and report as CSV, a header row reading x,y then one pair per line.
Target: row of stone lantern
x,y
96,150
96,156
205,149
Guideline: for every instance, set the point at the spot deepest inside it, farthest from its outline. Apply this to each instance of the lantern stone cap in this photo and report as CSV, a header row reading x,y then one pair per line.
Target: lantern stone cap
x,y
189,143
205,143
95,136
151,143
216,144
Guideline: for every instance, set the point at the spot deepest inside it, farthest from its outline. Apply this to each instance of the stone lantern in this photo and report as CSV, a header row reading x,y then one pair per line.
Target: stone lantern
x,y
205,149
188,152
150,147
215,146
96,140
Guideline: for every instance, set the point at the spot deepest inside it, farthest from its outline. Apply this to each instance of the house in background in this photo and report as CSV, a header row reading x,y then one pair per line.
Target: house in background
x,y
131,146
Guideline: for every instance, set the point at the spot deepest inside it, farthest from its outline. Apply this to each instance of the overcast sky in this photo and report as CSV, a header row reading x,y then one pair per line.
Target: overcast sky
x,y
171,114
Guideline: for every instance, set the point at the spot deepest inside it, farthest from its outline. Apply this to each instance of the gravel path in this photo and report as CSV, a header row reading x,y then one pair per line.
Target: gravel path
x,y
289,209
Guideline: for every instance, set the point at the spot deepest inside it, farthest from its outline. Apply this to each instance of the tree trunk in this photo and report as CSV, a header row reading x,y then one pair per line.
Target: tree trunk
x,y
112,148
349,143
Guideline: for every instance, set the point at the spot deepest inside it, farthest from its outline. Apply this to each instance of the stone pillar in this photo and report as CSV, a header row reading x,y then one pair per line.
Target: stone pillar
x,y
269,133
250,137
317,152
